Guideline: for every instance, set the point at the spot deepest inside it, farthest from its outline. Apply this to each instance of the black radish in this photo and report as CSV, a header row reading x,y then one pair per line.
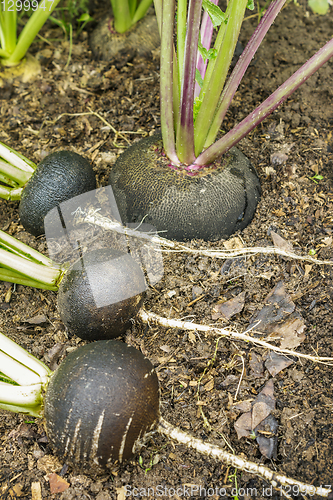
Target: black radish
x,y
98,295
101,405
59,177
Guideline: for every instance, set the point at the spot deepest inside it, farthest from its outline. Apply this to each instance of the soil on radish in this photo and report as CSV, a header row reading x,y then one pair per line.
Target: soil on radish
x,y
288,150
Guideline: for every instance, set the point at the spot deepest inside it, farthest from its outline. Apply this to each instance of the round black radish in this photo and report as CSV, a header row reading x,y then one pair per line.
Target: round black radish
x,y
209,204
100,294
59,177
100,403
141,39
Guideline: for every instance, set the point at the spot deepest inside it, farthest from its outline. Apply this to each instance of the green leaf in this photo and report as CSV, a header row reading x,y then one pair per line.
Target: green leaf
x,y
84,17
319,6
203,52
198,78
196,105
250,5
206,54
215,13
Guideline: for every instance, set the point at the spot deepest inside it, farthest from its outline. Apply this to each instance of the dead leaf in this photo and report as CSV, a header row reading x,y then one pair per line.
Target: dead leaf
x,y
230,307
307,269
257,417
281,243
259,412
243,425
275,363
256,365
244,406
230,380
23,430
266,437
278,158
36,320
165,348
278,305
57,484
291,331
267,393
191,337
327,241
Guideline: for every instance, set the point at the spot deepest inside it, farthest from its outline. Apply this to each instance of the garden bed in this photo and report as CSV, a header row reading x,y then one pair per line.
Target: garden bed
x,y
80,108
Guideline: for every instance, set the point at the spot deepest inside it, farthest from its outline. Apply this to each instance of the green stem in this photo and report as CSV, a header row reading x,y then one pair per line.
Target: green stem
x,y
15,171
17,371
132,5
216,82
8,27
166,80
158,12
31,29
16,159
3,53
6,180
27,379
39,273
181,36
122,16
5,192
20,248
141,10
12,277
23,357
17,175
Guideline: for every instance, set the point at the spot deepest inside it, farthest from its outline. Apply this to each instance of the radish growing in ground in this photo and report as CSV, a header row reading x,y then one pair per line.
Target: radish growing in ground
x,y
101,405
186,182
13,48
60,176
97,296
129,29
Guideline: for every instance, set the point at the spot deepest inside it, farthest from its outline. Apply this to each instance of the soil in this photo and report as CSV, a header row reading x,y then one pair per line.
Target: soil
x,y
97,109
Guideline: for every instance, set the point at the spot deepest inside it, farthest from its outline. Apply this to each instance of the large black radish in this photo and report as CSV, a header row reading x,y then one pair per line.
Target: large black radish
x,y
101,405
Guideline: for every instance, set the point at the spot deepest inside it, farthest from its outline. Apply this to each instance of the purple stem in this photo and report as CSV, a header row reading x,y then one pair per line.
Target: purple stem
x,y
185,128
206,32
242,65
267,107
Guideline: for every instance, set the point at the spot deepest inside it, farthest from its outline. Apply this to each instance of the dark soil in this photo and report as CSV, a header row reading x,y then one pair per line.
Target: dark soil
x,y
70,108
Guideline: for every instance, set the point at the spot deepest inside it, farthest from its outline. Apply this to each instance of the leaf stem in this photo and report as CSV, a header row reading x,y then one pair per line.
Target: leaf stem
x,y
29,32
185,127
267,107
166,80
240,68
27,378
206,33
214,83
141,10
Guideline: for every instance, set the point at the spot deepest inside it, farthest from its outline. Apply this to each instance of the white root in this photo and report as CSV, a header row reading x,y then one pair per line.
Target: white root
x,y
229,459
149,317
95,218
